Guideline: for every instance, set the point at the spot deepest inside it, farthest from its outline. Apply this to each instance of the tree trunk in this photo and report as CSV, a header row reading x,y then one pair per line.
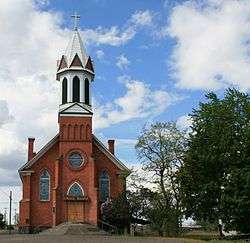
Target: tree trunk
x,y
220,230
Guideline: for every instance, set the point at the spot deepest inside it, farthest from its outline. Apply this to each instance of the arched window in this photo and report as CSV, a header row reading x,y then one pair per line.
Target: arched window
x,y
104,186
44,186
86,87
76,89
75,190
64,91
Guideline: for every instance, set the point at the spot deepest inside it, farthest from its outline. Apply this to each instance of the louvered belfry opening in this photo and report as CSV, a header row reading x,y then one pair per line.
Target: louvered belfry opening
x,y
64,91
76,89
86,91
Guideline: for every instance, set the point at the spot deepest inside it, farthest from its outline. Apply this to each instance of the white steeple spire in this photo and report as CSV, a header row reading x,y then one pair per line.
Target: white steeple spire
x,y
75,46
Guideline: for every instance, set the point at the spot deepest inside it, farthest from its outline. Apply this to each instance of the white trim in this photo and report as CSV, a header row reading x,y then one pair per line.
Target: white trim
x,y
75,182
75,68
27,172
81,90
67,105
70,90
82,115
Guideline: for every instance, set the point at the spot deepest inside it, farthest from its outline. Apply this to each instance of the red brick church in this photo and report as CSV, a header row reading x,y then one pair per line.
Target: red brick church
x,y
69,178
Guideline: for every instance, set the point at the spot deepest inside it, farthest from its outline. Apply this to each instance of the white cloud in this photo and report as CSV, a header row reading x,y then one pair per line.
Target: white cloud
x,y
142,18
212,49
31,40
5,115
109,36
100,54
122,62
116,36
139,101
184,122
29,92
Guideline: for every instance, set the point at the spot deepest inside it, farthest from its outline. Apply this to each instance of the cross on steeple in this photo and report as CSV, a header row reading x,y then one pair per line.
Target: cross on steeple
x,y
76,18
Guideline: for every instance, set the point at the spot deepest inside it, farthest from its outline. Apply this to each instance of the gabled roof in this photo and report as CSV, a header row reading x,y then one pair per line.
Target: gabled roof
x,y
76,62
111,156
45,149
54,140
75,46
89,65
63,63
76,108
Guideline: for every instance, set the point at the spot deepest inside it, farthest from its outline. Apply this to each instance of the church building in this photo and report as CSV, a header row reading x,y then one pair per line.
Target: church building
x,y
74,173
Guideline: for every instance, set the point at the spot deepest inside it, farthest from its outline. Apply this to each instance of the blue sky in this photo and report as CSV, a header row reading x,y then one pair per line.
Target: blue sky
x,y
148,56
154,61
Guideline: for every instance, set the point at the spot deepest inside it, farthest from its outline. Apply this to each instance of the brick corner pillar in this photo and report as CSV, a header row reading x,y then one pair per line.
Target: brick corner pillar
x,y
93,196
24,210
54,193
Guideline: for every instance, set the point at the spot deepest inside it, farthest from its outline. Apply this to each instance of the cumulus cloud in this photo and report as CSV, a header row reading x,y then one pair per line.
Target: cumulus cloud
x,y
100,54
212,49
139,101
110,36
5,115
142,18
29,94
184,122
122,62
116,36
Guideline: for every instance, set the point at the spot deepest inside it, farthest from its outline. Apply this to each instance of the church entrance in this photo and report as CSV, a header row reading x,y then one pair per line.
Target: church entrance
x,y
75,211
75,203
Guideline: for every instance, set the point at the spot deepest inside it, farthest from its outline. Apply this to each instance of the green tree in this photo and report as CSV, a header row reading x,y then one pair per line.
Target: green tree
x,y
2,222
161,147
215,178
116,212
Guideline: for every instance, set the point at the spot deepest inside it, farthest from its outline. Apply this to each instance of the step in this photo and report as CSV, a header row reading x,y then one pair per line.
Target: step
x,y
74,229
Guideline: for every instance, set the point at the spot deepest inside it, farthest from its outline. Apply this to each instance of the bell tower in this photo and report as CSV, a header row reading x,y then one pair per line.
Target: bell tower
x,y
75,73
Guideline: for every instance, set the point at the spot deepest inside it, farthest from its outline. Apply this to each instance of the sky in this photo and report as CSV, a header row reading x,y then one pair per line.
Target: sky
x,y
154,61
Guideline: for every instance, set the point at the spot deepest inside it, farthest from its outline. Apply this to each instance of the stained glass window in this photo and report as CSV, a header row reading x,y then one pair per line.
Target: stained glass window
x,y
75,191
104,186
75,159
44,186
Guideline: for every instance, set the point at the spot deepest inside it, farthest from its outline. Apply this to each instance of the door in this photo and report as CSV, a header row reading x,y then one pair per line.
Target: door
x,y
75,211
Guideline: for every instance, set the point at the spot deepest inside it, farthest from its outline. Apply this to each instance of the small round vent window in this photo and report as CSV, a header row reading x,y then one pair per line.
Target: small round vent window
x,y
75,160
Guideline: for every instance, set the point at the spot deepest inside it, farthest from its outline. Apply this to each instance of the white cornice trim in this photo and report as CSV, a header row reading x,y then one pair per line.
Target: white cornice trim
x,y
75,115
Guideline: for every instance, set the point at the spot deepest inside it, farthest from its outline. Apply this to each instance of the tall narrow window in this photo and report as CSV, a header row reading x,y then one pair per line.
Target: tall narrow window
x,y
75,190
44,186
76,89
64,91
104,186
86,91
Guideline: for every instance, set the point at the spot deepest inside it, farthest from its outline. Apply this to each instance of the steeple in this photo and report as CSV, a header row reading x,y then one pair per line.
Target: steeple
x,y
75,47
75,73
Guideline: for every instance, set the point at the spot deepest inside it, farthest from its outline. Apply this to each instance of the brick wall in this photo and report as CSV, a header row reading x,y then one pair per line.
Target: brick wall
x,y
75,135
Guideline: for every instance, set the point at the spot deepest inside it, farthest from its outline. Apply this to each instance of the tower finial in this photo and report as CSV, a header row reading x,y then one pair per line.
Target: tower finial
x,y
76,18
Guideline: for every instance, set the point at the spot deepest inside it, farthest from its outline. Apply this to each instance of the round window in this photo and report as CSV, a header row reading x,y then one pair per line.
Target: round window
x,y
76,160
